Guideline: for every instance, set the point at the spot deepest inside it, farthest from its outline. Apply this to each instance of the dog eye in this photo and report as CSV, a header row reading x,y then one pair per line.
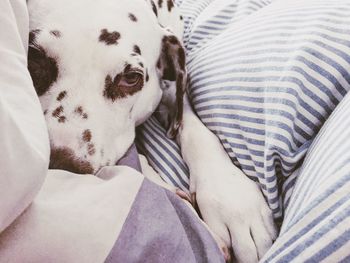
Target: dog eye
x,y
132,79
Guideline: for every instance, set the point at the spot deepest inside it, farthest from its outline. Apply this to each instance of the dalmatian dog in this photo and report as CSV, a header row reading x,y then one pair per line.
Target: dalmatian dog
x,y
100,69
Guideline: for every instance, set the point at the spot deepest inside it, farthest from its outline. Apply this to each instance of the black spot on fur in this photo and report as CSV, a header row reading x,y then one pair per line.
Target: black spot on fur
x,y
91,149
79,110
147,76
61,95
55,33
111,87
132,17
181,18
114,90
33,34
57,112
154,8
109,38
137,49
160,3
170,5
141,64
43,69
64,158
62,119
87,136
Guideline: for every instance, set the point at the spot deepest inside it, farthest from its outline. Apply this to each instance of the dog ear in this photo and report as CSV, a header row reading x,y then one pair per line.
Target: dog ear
x,y
172,75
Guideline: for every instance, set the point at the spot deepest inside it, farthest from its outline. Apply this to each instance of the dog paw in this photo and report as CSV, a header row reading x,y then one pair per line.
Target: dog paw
x,y
235,210
223,247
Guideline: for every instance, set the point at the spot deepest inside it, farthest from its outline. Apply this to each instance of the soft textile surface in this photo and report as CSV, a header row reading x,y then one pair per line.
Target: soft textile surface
x,y
24,142
131,159
160,227
316,226
74,218
264,77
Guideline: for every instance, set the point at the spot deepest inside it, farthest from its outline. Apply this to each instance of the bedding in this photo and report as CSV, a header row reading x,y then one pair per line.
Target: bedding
x,y
21,119
160,227
316,226
264,77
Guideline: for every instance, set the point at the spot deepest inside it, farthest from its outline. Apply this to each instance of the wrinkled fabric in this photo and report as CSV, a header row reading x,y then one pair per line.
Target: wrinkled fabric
x,y
162,228
74,218
24,140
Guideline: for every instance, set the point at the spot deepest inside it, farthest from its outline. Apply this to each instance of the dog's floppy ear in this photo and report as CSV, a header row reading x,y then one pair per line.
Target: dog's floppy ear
x,y
172,75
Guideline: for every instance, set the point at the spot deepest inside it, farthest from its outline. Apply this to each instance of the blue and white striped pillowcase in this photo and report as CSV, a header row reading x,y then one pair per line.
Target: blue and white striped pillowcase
x,y
205,19
316,223
163,154
265,82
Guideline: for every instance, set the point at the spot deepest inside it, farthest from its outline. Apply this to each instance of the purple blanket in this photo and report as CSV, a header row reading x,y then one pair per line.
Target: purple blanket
x,y
161,228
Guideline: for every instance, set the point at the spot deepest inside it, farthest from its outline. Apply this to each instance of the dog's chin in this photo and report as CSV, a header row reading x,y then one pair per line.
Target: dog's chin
x,y
64,158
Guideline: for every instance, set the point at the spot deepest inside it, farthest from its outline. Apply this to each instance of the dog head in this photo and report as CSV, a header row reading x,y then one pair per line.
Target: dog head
x,y
101,68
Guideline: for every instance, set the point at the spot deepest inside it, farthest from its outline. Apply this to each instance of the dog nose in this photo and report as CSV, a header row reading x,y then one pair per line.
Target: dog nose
x,y
64,158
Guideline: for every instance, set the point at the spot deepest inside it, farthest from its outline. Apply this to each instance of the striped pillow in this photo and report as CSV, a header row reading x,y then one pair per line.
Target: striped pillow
x,y
264,77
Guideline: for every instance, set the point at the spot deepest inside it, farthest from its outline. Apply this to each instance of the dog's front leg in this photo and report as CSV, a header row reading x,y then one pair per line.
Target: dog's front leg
x,y
231,204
